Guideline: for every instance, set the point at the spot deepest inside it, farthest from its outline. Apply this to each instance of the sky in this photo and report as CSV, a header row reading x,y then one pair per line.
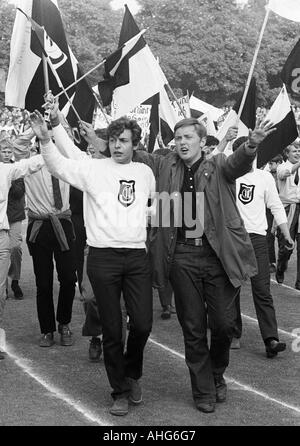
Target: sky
x,y
116,4
132,5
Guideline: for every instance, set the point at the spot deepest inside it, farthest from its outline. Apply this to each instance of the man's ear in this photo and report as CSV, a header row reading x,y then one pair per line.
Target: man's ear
x,y
135,148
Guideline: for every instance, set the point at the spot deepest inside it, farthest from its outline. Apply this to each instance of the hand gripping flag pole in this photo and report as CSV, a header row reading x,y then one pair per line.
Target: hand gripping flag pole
x,y
40,33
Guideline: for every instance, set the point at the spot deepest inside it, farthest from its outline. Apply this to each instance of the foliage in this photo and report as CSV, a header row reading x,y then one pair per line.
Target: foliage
x,y
204,46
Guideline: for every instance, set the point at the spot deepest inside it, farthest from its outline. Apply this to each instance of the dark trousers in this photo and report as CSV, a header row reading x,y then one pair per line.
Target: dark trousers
x,y
270,237
45,248
112,271
80,243
262,297
201,287
91,326
165,295
285,254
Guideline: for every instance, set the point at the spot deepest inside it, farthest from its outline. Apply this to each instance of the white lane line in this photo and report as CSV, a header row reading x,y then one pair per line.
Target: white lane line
x,y
285,286
243,386
255,321
58,393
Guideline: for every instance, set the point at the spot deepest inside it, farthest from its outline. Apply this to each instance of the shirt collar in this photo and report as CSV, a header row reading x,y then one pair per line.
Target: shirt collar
x,y
195,166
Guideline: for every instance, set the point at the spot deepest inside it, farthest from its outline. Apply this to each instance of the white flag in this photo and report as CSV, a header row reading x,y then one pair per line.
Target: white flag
x,y
289,9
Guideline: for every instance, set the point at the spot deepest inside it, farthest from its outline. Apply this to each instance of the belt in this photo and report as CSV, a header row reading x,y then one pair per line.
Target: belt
x,y
200,241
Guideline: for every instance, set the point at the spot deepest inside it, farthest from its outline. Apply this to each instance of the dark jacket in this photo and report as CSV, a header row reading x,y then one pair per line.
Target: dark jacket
x,y
223,225
16,201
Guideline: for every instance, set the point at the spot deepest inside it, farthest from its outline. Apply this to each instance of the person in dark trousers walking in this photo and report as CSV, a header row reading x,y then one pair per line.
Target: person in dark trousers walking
x,y
116,192
207,253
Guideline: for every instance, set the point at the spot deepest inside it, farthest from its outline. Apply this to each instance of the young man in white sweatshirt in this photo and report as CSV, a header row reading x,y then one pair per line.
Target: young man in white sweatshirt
x,y
255,191
117,191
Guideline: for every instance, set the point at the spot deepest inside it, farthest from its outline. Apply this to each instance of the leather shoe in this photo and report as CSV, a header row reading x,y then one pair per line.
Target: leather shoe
x,y
119,407
95,349
18,293
273,347
66,336
47,340
206,407
279,276
235,344
297,285
166,312
221,388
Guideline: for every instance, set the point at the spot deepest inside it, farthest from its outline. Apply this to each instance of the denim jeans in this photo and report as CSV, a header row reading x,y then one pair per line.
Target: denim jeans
x,y
202,288
112,271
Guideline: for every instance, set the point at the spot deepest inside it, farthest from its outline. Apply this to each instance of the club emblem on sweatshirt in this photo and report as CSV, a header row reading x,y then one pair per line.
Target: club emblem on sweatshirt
x,y
126,194
246,193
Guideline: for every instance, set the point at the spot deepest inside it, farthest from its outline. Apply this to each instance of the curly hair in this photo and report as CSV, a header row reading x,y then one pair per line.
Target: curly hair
x,y
118,126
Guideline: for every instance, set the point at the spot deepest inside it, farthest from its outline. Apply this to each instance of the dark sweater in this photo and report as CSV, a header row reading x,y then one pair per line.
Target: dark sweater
x,y
16,201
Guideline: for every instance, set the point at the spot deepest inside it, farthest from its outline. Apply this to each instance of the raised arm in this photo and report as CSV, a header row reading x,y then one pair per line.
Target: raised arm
x,y
74,172
25,167
240,162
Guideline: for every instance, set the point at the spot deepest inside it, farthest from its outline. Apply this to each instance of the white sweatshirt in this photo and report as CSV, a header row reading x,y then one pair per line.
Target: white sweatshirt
x,y
116,196
255,191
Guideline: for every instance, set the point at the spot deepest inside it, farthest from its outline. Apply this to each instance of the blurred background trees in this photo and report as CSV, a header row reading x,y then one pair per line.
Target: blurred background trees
x,y
203,46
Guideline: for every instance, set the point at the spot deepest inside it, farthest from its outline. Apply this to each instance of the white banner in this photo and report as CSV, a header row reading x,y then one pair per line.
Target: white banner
x,y
141,114
185,105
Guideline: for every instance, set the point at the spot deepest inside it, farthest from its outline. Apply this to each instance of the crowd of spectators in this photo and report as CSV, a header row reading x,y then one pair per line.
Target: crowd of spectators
x,y
13,122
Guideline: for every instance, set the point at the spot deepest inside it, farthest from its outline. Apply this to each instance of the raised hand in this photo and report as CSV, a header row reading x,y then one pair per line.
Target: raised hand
x,y
87,131
52,105
39,126
261,131
231,133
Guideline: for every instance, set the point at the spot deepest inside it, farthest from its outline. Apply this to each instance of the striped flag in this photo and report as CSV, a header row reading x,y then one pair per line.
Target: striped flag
x,y
25,84
248,117
137,80
289,9
282,115
290,73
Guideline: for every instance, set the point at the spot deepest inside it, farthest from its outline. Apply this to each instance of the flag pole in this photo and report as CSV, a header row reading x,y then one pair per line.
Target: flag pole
x,y
254,62
176,100
98,65
81,78
96,98
100,106
46,74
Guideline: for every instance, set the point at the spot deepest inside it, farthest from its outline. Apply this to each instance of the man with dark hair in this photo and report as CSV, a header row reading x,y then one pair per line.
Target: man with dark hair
x,y
211,143
116,193
209,255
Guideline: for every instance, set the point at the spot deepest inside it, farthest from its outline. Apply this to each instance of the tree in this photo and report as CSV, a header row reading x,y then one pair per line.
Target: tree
x,y
205,46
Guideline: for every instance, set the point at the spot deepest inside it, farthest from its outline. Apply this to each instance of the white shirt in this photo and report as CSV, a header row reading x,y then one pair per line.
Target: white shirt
x,y
289,192
116,196
39,193
255,191
10,172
